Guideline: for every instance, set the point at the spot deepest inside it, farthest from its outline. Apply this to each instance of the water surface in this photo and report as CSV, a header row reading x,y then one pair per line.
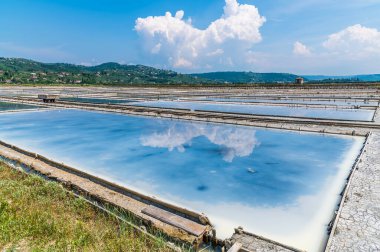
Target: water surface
x,y
340,114
6,106
279,184
94,100
337,102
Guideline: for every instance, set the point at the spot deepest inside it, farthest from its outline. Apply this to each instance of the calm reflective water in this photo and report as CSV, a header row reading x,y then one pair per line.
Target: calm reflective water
x,y
5,106
342,114
280,184
94,100
338,102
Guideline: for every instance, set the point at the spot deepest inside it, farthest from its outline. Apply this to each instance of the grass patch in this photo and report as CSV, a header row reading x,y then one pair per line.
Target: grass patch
x,y
38,215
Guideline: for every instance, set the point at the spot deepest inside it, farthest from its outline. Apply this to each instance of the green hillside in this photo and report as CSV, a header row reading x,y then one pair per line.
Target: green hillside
x,y
23,71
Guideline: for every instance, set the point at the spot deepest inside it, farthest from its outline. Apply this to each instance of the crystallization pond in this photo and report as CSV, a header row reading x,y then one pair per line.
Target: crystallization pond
x,y
283,185
94,100
340,114
7,106
337,102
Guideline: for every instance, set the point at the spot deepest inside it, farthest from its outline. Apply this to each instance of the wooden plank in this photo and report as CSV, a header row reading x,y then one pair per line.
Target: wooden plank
x,y
175,220
236,247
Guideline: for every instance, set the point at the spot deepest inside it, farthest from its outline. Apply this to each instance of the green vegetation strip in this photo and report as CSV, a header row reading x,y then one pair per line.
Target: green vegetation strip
x,y
40,215
24,71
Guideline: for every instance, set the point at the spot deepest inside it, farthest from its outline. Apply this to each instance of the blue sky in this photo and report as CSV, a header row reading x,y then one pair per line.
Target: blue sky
x,y
299,36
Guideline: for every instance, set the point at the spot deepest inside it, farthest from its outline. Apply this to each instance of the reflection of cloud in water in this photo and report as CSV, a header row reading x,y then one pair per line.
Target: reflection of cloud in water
x,y
302,224
236,142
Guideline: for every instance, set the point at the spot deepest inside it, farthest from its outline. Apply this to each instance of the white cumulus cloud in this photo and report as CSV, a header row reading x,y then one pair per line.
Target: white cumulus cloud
x,y
224,42
301,49
356,40
352,50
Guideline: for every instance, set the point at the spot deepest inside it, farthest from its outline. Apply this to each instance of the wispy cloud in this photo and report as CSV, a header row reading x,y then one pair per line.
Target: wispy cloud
x,y
301,49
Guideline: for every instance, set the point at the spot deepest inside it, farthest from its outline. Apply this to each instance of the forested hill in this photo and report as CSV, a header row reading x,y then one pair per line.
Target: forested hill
x,y
23,71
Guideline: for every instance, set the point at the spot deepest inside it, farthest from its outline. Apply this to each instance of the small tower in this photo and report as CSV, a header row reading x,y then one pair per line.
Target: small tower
x,y
300,80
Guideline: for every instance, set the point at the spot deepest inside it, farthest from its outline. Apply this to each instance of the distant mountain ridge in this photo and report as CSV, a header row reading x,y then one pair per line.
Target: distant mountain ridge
x,y
252,77
362,77
247,77
24,71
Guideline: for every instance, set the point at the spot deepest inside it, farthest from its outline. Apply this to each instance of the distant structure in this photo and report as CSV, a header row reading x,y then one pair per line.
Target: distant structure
x,y
300,80
48,98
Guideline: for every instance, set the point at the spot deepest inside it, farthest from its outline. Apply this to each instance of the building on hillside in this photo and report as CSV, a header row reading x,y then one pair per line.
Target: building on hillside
x,y
300,80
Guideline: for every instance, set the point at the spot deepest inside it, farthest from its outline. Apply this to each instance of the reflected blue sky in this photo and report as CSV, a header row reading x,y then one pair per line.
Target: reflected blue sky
x,y
213,162
341,114
94,100
268,174
4,106
337,102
